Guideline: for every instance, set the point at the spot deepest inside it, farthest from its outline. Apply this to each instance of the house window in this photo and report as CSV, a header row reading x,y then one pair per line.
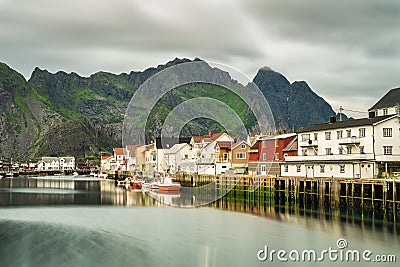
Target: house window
x,y
349,150
328,135
362,150
342,169
340,150
322,168
387,132
264,156
304,151
328,151
243,146
362,132
276,142
387,150
348,133
263,168
385,111
305,137
316,151
339,134
315,136
276,156
286,168
298,168
217,157
376,113
225,156
264,144
241,155
217,149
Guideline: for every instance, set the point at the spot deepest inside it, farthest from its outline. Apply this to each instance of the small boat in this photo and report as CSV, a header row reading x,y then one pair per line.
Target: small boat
x,y
9,175
102,175
135,184
75,174
169,186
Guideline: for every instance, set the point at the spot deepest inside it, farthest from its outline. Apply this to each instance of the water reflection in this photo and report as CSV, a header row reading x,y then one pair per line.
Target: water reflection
x,y
309,209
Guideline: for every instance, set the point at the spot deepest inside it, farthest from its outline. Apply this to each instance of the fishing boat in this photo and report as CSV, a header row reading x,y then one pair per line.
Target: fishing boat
x,y
169,186
103,175
135,184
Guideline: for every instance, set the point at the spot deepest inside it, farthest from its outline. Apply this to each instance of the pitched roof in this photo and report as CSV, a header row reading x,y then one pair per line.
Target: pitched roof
x,y
175,148
132,149
105,157
168,142
345,124
215,136
234,145
224,144
198,139
292,146
119,151
391,99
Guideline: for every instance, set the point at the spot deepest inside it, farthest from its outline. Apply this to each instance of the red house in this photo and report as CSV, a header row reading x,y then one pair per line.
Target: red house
x,y
268,151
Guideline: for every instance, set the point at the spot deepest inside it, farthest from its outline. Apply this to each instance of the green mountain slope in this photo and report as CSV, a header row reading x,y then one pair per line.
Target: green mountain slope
x,y
66,114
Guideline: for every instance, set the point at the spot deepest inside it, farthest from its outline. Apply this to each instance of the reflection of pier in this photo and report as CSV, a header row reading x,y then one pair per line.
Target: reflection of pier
x,y
382,195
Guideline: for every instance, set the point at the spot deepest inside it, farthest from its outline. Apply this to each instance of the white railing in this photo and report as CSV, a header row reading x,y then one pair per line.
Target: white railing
x,y
205,161
350,140
369,156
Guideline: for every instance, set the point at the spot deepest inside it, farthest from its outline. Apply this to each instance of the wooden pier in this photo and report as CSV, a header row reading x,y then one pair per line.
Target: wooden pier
x,y
379,195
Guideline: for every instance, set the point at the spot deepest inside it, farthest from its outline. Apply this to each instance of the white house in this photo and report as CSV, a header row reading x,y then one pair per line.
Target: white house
x,y
362,148
56,163
215,157
389,104
180,157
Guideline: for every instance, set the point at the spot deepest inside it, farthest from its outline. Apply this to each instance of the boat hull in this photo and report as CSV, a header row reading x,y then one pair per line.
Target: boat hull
x,y
169,188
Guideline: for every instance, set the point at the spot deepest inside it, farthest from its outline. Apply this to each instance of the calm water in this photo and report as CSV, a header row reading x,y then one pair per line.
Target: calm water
x,y
61,221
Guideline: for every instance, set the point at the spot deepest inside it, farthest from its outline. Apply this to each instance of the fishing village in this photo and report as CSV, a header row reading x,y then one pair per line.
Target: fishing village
x,y
349,164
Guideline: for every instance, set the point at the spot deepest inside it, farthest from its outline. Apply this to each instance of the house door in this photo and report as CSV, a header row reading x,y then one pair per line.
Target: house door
x,y
310,171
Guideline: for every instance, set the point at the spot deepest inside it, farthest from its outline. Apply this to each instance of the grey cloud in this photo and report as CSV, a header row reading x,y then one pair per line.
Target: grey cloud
x,y
343,49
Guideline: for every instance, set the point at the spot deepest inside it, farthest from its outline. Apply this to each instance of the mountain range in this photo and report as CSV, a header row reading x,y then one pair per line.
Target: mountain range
x,y
67,114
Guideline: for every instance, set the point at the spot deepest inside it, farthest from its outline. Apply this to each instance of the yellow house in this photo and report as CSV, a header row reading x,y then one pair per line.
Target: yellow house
x,y
239,155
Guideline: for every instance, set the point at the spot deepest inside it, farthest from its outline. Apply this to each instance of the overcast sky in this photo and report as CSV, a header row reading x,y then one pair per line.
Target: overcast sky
x,y
347,51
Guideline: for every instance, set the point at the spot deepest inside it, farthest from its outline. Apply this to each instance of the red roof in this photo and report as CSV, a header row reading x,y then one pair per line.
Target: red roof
x,y
224,144
132,150
216,136
105,157
198,139
119,151
213,137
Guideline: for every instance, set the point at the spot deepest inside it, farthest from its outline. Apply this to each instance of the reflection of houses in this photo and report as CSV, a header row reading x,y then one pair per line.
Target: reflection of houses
x,y
56,163
362,148
266,153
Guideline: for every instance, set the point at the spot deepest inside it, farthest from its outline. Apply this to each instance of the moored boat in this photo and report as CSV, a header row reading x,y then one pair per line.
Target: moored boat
x,y
169,186
136,184
9,175
103,175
